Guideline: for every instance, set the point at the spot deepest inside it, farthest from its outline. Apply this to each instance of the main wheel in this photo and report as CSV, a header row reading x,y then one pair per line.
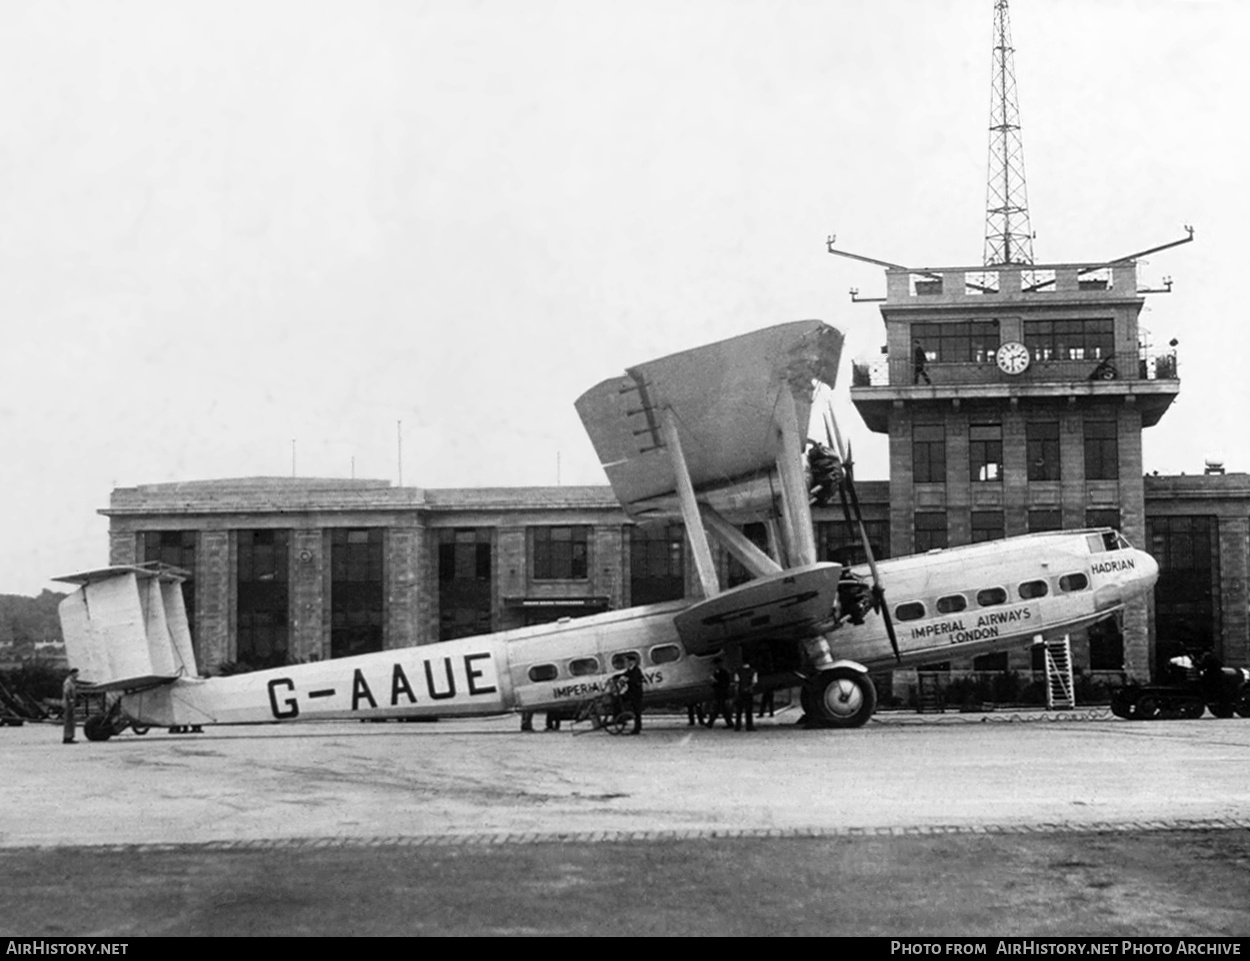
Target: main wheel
x,y
617,723
98,728
840,697
1122,704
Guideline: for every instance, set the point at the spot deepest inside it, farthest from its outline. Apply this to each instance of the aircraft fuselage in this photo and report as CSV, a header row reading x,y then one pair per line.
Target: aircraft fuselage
x,y
951,603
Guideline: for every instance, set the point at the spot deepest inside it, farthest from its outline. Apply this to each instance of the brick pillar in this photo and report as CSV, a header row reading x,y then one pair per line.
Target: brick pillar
x,y
1234,644
607,555
309,638
123,547
511,575
1138,655
214,644
407,559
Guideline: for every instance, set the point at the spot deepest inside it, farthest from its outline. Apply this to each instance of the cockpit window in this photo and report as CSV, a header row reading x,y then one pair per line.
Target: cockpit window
x,y
1096,544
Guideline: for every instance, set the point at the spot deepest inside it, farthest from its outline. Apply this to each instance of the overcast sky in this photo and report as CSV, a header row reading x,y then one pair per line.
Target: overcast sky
x,y
227,226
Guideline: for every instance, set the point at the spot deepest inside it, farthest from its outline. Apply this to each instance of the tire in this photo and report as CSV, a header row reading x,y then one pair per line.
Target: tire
x,y
1243,706
1193,709
618,722
1122,704
98,728
140,729
1147,708
842,697
1221,708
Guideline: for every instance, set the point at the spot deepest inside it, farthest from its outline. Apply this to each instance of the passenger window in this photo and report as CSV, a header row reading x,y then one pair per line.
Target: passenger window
x,y
951,604
1032,589
665,654
583,666
991,596
1070,583
543,672
620,660
912,611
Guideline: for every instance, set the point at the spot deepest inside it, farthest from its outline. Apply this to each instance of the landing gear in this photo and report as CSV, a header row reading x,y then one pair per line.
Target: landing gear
x,y
98,727
839,697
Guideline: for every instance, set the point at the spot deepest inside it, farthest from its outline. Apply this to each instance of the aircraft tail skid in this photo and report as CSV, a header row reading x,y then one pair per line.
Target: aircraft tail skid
x,y
126,627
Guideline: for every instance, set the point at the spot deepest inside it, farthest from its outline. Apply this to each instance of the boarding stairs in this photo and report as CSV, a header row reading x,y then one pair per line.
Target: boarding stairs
x,y
1060,689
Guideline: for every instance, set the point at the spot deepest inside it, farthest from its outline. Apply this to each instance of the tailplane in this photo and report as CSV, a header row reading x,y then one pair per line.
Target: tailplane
x,y
126,627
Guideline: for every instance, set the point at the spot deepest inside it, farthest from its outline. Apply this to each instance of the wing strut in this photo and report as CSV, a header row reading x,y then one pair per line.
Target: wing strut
x,y
797,513
739,545
695,533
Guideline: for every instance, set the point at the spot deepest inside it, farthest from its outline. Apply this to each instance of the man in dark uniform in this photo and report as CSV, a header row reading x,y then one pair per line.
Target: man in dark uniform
x,y
722,683
920,359
69,694
633,693
744,704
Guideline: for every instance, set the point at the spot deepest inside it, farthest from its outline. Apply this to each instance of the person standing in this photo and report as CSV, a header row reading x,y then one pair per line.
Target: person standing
x,y
633,693
920,359
722,684
744,705
69,697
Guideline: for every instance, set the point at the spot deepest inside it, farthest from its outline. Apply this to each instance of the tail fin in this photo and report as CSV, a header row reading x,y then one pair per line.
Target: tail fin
x,y
126,627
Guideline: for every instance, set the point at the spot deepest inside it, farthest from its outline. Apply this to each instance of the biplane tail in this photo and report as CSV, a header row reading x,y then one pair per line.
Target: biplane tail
x,y
126,627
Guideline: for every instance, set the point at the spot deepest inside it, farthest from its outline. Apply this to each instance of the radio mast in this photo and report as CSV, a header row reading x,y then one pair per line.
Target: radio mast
x,y
1008,237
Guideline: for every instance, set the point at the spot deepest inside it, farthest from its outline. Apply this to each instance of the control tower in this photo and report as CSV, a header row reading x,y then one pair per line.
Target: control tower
x,y
1014,398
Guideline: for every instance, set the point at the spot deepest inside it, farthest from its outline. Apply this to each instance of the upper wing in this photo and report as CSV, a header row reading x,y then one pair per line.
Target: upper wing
x,y
724,399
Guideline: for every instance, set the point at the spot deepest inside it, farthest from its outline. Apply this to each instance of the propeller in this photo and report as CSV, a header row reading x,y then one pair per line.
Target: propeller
x,y
845,489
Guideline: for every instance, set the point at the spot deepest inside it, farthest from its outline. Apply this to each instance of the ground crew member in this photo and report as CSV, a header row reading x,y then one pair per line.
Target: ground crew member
x,y
920,359
633,693
745,703
722,684
69,695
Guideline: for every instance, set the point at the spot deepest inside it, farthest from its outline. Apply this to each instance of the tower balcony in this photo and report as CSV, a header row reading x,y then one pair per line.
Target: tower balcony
x,y
1152,383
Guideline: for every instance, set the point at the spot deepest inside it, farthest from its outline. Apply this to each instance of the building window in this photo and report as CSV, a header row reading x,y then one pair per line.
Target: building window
x,y
985,452
356,591
1042,439
990,662
1070,339
1103,517
262,598
987,526
464,582
1187,592
560,553
657,563
836,542
1045,519
928,453
1102,450
178,549
963,342
930,531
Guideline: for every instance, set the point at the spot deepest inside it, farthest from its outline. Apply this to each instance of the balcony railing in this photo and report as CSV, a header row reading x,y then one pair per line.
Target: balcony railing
x,y
1152,364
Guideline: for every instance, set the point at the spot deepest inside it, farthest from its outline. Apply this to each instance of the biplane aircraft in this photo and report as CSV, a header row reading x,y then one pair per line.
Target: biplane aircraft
x,y
712,436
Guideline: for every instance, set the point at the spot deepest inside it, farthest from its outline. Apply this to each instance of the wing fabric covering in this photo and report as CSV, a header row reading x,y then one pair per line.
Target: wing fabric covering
x,y
126,627
723,399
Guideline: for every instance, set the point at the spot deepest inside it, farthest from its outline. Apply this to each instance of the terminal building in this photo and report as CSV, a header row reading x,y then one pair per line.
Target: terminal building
x,y
1014,400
